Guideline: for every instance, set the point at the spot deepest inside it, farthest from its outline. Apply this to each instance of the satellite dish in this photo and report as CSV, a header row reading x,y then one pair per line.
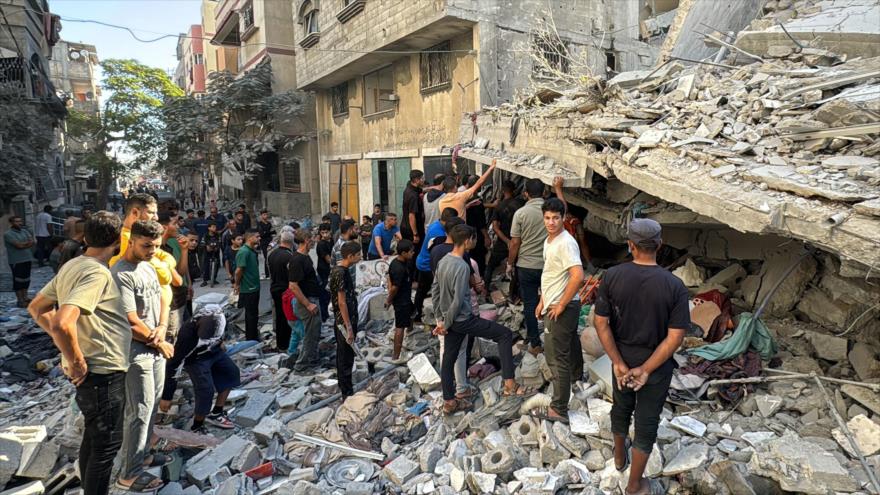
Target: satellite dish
x,y
74,55
84,53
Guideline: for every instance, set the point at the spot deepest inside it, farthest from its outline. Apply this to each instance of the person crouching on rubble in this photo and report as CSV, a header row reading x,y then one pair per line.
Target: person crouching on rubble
x,y
456,321
345,309
199,350
91,331
400,294
641,317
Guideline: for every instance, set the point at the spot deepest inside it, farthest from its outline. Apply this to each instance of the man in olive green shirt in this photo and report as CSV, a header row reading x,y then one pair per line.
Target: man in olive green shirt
x,y
247,282
527,235
92,332
19,241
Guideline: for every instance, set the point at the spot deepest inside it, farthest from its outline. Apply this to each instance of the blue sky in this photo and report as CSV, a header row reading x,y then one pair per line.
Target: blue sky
x,y
147,18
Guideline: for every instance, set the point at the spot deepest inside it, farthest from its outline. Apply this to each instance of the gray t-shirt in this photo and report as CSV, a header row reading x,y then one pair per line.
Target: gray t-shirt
x,y
140,290
451,291
528,225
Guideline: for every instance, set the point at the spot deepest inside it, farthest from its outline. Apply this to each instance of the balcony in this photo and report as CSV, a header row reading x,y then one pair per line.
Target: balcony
x,y
353,8
88,107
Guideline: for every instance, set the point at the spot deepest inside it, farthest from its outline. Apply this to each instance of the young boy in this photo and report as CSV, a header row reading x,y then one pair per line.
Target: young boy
x,y
231,252
400,293
366,231
344,299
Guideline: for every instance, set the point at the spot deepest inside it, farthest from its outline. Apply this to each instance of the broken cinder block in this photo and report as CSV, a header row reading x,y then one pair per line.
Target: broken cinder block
x,y
256,407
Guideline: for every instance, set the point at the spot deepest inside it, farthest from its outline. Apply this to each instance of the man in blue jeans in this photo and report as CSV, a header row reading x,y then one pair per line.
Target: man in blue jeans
x,y
306,288
91,331
527,236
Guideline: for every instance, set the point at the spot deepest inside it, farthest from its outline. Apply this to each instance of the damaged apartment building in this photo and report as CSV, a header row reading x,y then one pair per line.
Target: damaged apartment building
x,y
392,79
757,152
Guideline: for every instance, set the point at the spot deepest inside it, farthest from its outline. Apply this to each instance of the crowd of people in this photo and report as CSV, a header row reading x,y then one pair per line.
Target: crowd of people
x,y
120,309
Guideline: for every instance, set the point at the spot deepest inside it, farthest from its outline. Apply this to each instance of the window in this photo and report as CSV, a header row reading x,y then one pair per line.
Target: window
x,y
246,19
434,67
350,8
610,61
198,59
379,91
292,178
339,99
308,19
553,55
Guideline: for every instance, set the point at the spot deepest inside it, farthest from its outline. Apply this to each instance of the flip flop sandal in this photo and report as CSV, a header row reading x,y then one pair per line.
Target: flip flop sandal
x,y
160,460
521,391
654,488
544,413
466,395
458,405
142,484
627,445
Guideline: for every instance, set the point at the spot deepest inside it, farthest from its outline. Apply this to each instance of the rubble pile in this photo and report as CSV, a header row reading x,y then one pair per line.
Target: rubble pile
x,y
293,435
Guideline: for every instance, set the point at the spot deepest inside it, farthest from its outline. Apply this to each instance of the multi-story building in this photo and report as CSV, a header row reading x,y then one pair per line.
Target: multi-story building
x,y
263,30
393,78
217,57
27,33
191,72
74,72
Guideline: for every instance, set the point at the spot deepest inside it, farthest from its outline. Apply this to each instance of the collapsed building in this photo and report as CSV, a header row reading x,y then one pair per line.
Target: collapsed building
x,y
759,160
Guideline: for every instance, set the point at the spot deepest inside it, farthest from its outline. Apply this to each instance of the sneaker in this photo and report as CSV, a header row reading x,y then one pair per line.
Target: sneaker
x,y
220,420
204,284
200,430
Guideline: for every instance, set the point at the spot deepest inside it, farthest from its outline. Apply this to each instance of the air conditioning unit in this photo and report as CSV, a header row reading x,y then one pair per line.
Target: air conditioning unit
x,y
390,97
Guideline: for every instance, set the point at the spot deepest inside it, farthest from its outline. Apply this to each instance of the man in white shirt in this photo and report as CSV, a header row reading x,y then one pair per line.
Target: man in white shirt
x,y
41,232
561,278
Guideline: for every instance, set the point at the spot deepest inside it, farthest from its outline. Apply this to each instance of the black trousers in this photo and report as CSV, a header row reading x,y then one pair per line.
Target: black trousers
x,y
250,302
282,328
345,357
423,291
563,351
498,257
210,266
101,398
44,249
645,405
473,327
264,248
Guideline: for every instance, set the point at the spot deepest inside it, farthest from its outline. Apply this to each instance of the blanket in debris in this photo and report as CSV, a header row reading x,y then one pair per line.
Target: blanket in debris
x,y
750,332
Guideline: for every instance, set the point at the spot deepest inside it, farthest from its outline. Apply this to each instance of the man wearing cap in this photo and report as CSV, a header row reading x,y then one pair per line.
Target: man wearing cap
x,y
641,316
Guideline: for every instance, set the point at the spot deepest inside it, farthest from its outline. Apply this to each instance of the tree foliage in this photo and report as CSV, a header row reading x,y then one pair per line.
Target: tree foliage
x,y
232,124
26,135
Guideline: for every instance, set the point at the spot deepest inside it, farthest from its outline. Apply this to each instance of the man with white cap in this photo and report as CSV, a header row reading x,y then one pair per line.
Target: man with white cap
x,y
641,317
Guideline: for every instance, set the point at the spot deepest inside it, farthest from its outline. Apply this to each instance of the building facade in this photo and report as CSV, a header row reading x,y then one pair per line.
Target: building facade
x,y
191,70
392,79
263,30
74,72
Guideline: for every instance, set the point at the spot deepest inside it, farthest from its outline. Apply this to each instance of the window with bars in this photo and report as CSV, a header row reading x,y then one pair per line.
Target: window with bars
x,y
553,55
292,179
339,99
246,14
434,67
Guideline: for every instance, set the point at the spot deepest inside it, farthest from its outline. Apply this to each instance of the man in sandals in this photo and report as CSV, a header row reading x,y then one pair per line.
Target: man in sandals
x,y
456,321
90,330
560,280
141,298
641,316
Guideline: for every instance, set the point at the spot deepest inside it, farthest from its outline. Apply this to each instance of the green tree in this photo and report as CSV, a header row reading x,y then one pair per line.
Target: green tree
x,y
131,121
232,124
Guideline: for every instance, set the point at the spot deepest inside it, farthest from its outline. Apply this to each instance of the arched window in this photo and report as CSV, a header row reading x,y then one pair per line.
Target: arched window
x,y
308,17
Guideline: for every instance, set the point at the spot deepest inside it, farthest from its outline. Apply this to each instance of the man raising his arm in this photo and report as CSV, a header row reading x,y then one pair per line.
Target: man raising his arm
x,y
458,200
641,316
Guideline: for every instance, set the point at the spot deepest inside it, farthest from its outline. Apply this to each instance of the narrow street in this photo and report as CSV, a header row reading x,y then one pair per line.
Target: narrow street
x,y
509,248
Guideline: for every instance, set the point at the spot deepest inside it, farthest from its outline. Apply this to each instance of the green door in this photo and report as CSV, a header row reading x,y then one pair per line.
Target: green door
x,y
389,180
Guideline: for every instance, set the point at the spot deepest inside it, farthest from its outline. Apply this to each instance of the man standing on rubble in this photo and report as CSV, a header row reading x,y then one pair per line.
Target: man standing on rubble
x,y
279,259
148,319
19,241
527,236
305,286
456,321
90,330
345,310
458,200
247,283
641,317
436,230
502,219
559,306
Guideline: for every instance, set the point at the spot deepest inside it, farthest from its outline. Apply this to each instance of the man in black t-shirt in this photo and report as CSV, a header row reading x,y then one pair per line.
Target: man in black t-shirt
x,y
412,223
400,293
267,233
324,251
211,263
279,260
345,311
307,290
476,218
641,317
502,220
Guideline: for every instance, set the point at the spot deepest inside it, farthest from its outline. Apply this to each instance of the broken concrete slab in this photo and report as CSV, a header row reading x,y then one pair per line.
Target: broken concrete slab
x,y
727,473
292,398
774,269
801,466
216,459
255,408
11,446
423,372
865,432
864,361
401,470
481,482
32,488
769,404
828,347
266,429
864,396
581,423
688,425
688,457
